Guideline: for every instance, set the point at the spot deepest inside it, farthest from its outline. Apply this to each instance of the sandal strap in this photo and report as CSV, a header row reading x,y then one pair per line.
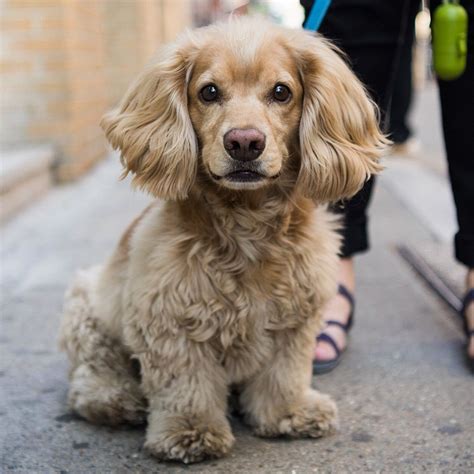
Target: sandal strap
x,y
327,338
343,291
344,327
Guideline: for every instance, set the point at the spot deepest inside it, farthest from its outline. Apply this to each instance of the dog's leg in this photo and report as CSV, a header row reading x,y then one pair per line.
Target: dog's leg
x,y
187,395
279,400
104,385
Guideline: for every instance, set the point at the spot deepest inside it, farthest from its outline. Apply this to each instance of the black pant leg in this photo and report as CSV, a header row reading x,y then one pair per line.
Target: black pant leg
x,y
457,106
370,33
402,91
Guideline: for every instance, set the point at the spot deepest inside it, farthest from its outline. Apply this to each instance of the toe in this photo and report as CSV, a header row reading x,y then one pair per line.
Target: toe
x,y
324,351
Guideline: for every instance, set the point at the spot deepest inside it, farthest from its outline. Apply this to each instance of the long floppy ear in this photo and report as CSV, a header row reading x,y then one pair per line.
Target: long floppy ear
x,y
340,139
152,128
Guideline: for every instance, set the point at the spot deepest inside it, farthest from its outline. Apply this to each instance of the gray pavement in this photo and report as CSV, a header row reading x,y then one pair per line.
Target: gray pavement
x,y
406,400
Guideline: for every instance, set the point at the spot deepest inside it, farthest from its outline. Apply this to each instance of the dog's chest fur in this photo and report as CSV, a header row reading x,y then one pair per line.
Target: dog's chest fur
x,y
233,281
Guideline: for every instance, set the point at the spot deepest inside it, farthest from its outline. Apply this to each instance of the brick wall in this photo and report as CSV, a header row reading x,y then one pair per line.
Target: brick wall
x,y
63,63
86,87
33,81
122,45
134,33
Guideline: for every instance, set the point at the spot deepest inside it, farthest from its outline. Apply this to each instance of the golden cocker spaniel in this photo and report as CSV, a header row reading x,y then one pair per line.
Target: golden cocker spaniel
x,y
244,130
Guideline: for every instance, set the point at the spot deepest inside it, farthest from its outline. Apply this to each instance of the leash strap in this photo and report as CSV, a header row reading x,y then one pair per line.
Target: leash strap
x,y
317,14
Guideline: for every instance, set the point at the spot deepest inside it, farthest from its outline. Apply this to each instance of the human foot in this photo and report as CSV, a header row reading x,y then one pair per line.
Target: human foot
x,y
333,339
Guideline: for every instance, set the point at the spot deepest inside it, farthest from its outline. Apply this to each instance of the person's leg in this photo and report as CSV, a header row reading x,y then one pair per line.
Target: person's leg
x,y
369,32
457,106
399,130
356,240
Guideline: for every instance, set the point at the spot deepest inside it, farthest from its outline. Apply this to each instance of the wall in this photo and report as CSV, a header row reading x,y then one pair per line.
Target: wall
x,y
63,63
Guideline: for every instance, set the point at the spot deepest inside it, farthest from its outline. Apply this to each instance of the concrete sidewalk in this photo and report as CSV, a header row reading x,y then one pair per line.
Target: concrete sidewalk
x,y
405,397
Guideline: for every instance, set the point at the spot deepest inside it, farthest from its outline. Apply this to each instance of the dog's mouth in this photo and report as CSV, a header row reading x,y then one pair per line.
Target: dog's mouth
x,y
243,176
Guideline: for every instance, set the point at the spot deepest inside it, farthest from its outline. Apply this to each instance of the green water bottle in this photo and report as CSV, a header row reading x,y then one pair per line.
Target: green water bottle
x,y
449,29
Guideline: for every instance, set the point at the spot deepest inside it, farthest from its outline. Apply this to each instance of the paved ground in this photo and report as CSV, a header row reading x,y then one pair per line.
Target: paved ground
x,y
405,397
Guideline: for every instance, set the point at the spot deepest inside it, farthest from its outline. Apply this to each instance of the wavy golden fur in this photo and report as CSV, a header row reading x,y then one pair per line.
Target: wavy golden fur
x,y
223,283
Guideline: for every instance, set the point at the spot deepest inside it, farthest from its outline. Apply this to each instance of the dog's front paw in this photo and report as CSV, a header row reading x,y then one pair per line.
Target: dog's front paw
x,y
177,438
314,418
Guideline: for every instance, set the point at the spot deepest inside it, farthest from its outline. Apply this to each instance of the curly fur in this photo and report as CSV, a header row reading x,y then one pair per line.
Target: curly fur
x,y
218,286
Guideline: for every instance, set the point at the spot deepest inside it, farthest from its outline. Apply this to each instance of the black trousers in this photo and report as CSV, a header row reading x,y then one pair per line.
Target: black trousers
x,y
372,33
398,128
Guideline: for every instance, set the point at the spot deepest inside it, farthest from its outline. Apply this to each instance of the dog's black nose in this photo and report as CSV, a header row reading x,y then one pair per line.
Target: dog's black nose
x,y
244,144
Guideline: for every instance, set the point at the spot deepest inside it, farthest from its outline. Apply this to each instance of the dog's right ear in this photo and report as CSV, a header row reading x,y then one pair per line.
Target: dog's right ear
x,y
152,127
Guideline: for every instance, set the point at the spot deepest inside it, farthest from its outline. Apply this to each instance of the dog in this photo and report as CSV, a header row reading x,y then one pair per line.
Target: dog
x,y
244,131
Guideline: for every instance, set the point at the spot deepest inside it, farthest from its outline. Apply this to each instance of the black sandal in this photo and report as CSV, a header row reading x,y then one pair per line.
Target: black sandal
x,y
324,366
468,299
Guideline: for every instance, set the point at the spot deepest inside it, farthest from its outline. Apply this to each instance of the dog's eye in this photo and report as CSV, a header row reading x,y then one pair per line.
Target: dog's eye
x,y
209,93
281,93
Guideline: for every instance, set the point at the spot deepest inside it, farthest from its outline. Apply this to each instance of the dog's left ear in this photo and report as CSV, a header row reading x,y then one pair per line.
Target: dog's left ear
x,y
152,127
340,139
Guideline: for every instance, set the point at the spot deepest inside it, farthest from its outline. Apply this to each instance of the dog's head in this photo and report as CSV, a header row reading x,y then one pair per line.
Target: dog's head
x,y
249,105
